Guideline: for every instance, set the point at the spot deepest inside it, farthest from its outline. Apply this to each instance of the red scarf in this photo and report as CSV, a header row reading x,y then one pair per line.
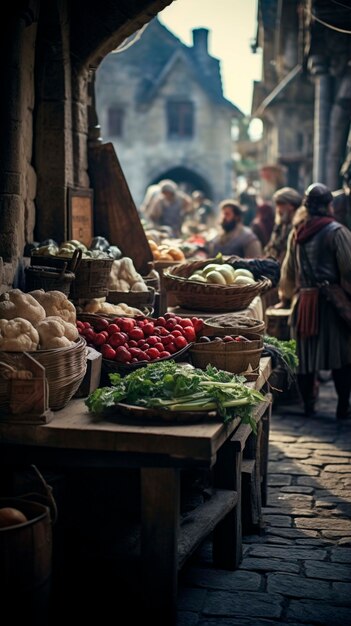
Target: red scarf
x,y
313,226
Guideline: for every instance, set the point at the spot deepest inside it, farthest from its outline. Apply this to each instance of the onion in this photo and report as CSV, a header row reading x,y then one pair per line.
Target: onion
x,y
11,517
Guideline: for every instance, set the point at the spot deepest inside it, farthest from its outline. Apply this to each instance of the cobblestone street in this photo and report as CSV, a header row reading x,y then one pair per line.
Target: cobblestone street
x,y
297,571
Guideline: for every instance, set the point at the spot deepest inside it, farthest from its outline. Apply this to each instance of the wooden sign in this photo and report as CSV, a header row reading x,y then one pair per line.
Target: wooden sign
x,y
27,390
80,215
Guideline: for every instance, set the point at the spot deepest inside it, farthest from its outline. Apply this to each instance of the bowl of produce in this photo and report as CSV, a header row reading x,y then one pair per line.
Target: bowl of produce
x,y
233,324
212,285
232,353
129,343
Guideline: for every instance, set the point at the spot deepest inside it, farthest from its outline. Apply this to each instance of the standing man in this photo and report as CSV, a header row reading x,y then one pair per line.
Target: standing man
x,y
319,251
286,200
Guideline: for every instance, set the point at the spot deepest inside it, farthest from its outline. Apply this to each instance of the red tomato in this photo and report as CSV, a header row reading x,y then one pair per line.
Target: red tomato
x,y
178,327
132,343
127,325
100,338
185,321
161,331
108,352
180,342
89,335
149,328
143,356
160,321
172,347
159,346
169,316
228,338
117,339
135,352
177,333
152,340
136,333
86,324
189,333
101,324
198,324
170,324
164,354
153,353
123,355
113,328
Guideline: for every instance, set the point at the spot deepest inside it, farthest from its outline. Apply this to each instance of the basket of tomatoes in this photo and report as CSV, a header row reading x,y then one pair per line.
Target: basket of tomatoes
x,y
128,343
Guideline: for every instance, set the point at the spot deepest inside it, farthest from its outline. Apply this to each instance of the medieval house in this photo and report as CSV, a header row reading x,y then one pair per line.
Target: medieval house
x,y
161,104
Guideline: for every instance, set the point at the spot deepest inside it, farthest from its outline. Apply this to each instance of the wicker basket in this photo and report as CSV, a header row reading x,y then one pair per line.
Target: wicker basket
x,y
206,296
48,278
233,356
232,324
138,299
91,275
93,318
64,369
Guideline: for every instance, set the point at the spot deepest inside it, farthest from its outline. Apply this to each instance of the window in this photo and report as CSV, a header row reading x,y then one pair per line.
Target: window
x,y
115,118
180,118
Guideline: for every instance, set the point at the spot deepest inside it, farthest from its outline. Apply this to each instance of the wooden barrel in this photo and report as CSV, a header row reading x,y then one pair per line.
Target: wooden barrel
x,y
277,323
25,558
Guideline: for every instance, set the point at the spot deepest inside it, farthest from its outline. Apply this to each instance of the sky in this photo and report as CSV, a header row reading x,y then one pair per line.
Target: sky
x,y
232,25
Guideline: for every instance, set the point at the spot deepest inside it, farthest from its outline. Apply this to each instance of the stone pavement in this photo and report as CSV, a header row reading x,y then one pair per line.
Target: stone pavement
x,y
297,571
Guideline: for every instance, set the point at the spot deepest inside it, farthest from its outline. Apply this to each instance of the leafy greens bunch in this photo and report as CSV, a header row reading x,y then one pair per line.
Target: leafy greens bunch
x,y
171,386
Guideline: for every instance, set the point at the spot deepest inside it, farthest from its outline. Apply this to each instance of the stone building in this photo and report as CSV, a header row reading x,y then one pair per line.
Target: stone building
x,y
304,97
161,104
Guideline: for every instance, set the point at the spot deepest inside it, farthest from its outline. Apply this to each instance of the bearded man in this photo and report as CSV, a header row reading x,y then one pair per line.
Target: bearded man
x,y
236,239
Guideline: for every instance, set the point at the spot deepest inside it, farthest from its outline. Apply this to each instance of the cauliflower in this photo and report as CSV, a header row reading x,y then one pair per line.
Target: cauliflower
x,y
53,333
56,303
18,335
16,303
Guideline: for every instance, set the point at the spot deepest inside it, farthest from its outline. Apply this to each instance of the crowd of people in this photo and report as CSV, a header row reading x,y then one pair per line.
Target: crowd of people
x,y
309,236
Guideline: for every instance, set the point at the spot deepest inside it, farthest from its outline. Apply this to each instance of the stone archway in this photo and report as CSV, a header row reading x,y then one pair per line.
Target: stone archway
x,y
187,179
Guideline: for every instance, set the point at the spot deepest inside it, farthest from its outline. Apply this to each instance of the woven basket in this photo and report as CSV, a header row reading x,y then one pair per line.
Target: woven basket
x,y
138,299
93,318
91,275
64,369
206,296
232,324
48,278
233,356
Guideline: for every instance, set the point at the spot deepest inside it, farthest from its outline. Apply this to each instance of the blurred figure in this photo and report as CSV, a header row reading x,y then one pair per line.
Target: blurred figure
x,y
203,208
169,207
319,251
262,224
152,193
236,239
342,197
247,199
287,200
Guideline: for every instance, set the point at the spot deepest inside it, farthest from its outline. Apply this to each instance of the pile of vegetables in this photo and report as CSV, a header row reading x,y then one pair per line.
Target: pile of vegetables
x,y
172,386
36,320
283,353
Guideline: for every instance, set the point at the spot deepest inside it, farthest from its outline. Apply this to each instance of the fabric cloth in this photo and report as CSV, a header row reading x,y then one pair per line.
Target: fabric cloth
x,y
240,241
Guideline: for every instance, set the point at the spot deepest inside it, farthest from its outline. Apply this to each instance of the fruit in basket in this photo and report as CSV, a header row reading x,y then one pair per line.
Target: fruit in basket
x,y
142,338
244,280
215,277
9,516
198,277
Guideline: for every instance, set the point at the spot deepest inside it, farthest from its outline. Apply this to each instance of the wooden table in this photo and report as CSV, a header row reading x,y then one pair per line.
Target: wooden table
x,y
75,438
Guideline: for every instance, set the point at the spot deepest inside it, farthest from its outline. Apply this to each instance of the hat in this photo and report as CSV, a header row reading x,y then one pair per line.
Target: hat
x,y
287,195
317,196
169,186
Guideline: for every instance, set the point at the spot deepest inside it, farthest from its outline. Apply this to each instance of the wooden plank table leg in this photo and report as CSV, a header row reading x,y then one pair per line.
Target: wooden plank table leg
x,y
264,454
160,513
227,536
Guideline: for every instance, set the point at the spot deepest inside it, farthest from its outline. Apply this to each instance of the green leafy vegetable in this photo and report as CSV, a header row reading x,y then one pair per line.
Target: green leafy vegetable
x,y
175,387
